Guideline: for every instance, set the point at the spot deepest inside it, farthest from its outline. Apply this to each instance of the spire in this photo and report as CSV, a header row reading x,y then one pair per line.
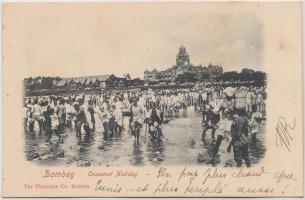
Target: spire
x,y
182,58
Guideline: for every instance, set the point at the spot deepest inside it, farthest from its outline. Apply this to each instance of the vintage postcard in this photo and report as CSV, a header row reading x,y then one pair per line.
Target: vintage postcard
x,y
164,99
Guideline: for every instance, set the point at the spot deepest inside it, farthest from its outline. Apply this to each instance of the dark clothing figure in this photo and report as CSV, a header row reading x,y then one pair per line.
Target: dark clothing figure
x,y
210,122
240,153
155,117
216,147
51,121
81,120
200,101
203,114
239,131
47,122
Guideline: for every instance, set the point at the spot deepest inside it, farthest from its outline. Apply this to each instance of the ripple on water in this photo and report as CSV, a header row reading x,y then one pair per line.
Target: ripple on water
x,y
181,145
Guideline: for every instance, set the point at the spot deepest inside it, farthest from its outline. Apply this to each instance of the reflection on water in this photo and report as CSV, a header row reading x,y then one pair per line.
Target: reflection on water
x,y
181,144
155,149
137,154
84,146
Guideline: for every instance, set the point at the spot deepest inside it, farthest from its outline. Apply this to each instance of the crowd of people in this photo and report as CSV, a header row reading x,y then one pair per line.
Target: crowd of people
x,y
231,113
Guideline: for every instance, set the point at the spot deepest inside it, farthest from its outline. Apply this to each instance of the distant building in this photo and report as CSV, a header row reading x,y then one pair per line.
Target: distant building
x,y
81,83
183,65
87,82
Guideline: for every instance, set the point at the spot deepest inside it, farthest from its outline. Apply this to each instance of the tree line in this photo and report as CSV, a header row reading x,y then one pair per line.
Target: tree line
x,y
258,77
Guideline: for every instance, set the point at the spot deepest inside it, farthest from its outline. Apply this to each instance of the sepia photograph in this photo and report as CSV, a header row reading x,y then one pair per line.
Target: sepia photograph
x,y
152,99
185,104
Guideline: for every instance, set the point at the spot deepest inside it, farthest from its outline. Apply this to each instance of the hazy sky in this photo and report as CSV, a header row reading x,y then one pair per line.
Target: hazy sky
x,y
106,39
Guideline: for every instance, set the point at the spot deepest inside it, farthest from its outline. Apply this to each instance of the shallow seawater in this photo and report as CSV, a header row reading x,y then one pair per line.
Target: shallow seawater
x,y
181,145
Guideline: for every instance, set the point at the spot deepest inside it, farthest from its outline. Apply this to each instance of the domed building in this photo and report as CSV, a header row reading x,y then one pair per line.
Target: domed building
x,y
183,65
